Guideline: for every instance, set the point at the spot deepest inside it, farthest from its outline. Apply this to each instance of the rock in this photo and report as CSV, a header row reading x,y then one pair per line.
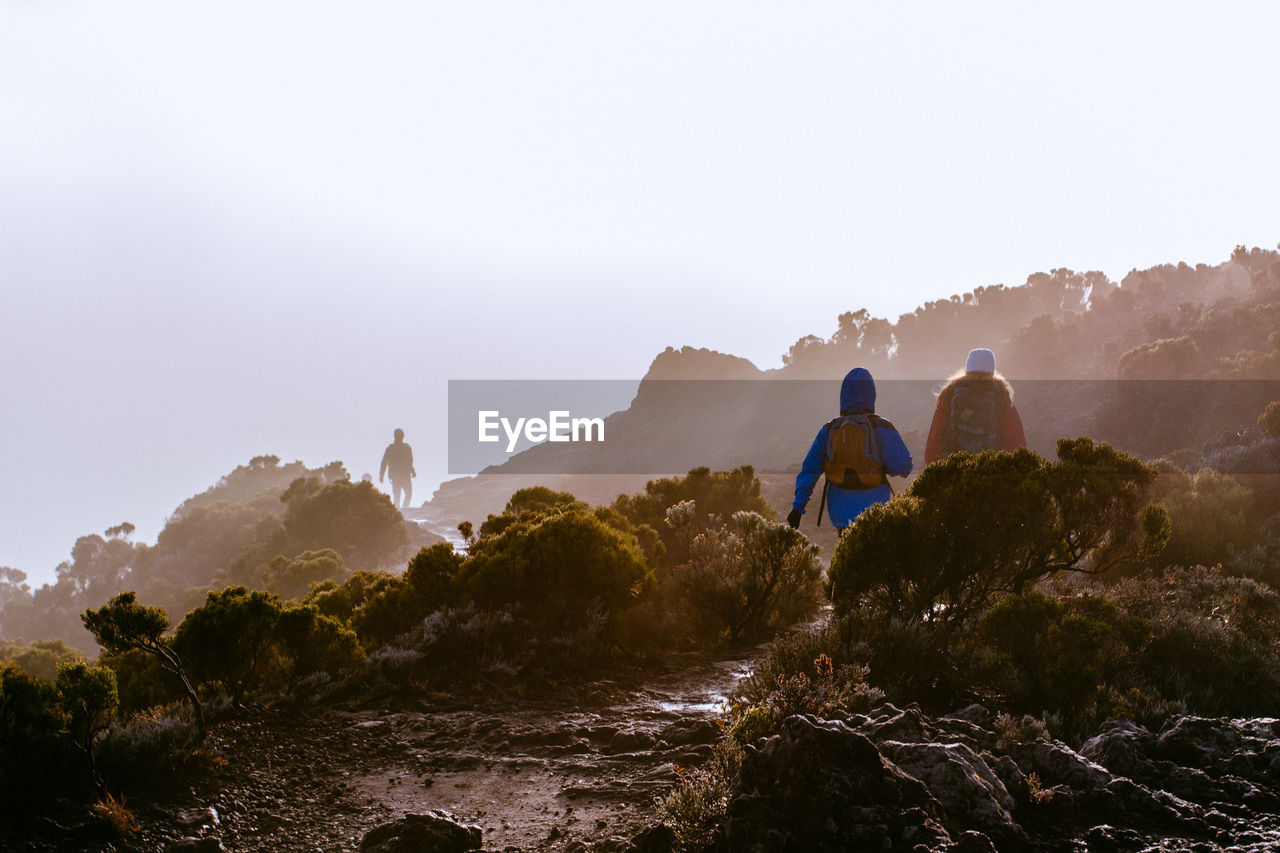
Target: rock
x,y
629,741
973,842
690,732
821,786
655,839
434,832
1056,763
1123,747
195,845
196,819
1198,742
970,793
888,723
1105,838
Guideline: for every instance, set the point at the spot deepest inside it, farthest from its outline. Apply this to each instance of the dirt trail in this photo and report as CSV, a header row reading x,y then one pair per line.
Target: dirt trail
x,y
535,775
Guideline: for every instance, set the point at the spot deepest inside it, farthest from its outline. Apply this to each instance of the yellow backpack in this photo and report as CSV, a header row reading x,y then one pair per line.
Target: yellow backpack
x,y
853,453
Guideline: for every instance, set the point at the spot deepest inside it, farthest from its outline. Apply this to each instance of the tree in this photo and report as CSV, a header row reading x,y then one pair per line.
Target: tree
x,y
975,527
31,726
225,640
292,578
90,699
123,624
313,642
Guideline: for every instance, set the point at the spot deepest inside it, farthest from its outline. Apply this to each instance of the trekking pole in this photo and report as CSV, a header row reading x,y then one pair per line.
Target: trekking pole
x,y
822,504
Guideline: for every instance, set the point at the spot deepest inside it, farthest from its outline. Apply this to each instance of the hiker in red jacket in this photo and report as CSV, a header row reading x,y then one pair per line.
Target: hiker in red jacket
x,y
975,412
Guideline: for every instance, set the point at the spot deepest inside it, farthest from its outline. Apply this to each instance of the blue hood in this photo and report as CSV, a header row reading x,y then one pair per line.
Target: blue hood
x,y
857,392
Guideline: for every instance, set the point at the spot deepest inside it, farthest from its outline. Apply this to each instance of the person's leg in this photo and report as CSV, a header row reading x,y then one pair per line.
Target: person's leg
x,y
408,493
396,488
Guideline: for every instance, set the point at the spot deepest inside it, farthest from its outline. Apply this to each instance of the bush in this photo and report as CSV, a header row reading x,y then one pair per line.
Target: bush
x,y
226,639
123,625
89,697
1269,420
719,494
1210,515
746,578
35,759
821,691
391,607
975,527
40,658
312,642
1214,640
433,574
141,682
1056,654
460,645
699,804
558,568
145,749
293,578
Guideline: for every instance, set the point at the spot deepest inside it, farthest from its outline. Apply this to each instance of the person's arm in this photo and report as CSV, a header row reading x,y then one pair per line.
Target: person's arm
x,y
894,453
386,460
810,470
1012,435
937,431
409,452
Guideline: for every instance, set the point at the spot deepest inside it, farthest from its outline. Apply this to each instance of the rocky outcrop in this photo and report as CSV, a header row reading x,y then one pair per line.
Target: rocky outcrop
x,y
821,786
434,832
897,779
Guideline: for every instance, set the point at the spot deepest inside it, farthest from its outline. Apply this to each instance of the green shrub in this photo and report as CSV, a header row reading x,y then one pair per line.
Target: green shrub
x,y
1269,420
746,577
391,607
1211,514
698,805
141,682
312,642
226,640
123,625
559,568
528,503
89,697
40,658
719,494
975,527
34,755
1215,639
292,578
145,750
433,575
1046,654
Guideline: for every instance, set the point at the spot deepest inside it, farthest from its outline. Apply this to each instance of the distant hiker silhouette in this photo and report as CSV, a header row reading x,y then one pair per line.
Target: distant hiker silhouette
x,y
856,451
975,412
398,459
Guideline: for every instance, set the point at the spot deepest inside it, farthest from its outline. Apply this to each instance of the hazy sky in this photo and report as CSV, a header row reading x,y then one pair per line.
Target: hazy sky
x,y
241,228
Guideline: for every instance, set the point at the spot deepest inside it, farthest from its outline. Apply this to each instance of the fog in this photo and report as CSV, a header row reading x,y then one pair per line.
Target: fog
x,y
241,230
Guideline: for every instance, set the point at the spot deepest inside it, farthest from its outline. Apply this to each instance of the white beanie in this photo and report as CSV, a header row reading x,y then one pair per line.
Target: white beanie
x,y
980,361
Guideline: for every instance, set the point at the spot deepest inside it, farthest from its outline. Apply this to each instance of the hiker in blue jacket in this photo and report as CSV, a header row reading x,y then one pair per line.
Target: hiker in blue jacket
x,y
883,453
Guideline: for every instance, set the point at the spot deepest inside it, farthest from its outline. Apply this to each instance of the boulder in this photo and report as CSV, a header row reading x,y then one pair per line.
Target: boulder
x,y
434,832
821,786
972,796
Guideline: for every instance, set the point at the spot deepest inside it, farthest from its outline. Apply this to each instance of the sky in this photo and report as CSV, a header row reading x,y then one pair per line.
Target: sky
x,y
266,227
